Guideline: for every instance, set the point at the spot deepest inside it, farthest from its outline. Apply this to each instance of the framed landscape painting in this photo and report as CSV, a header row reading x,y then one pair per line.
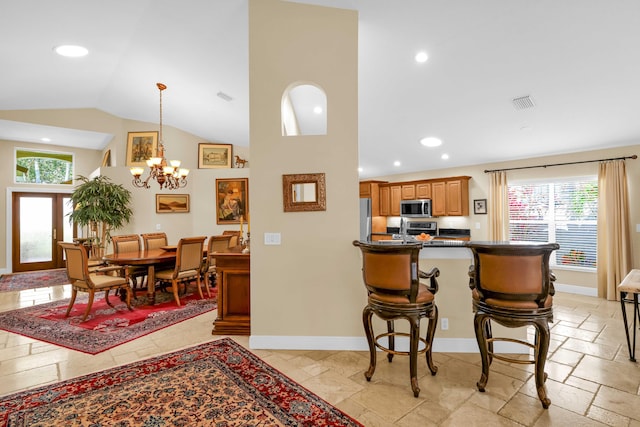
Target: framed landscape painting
x,y
212,156
172,203
232,200
141,146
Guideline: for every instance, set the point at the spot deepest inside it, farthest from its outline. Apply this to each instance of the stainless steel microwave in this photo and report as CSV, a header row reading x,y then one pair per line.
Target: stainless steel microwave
x,y
415,208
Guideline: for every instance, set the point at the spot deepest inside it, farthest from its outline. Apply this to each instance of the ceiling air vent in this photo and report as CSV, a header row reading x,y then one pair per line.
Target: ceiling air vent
x,y
224,96
523,103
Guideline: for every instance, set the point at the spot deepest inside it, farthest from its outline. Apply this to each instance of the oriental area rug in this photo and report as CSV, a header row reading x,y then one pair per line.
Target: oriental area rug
x,y
33,279
218,383
105,327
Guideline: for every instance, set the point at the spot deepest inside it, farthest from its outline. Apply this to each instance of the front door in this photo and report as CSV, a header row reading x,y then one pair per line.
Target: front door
x,y
39,223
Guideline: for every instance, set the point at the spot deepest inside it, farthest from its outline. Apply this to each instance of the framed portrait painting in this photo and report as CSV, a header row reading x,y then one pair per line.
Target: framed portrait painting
x,y
212,156
232,200
172,203
141,146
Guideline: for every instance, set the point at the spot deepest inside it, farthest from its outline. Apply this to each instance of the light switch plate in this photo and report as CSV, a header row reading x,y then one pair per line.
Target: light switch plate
x,y
272,238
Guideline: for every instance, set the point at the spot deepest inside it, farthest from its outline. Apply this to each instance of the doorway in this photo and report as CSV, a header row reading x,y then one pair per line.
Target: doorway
x,y
39,223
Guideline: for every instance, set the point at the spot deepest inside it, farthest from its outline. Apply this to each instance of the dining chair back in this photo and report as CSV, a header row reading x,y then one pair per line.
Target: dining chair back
x,y
188,265
218,243
154,240
77,264
235,237
130,243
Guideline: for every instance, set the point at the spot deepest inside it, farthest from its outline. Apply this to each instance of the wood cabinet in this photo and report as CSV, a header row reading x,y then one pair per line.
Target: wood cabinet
x,y
450,197
408,191
234,282
423,190
385,201
395,195
371,190
438,199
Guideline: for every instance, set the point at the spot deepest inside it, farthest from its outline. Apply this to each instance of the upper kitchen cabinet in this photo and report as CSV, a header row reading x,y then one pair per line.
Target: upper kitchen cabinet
x,y
423,190
395,195
371,190
408,191
450,197
385,201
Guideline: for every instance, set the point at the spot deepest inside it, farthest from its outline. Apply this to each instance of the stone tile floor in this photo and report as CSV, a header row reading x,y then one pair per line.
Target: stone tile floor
x,y
591,381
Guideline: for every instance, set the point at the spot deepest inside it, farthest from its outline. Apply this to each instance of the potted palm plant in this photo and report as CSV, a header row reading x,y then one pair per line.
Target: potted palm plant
x,y
102,206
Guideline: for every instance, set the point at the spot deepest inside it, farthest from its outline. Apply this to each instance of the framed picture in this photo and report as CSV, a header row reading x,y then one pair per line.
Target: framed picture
x,y
141,146
480,206
232,200
214,156
172,203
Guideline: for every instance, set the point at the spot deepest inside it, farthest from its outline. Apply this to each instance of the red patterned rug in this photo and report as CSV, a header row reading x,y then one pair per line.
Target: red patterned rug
x,y
33,279
214,384
105,327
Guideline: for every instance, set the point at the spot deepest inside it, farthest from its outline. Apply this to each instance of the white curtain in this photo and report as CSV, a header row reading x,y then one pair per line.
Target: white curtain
x,y
498,206
614,240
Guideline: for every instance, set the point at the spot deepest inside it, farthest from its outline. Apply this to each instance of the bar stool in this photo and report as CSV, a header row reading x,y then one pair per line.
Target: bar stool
x,y
512,285
395,291
629,289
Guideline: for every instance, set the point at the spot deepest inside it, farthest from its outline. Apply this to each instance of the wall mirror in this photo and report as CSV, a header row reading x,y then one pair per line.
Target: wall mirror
x,y
304,192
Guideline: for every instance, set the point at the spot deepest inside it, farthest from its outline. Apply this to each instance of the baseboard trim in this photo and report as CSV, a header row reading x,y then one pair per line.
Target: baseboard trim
x,y
440,345
578,290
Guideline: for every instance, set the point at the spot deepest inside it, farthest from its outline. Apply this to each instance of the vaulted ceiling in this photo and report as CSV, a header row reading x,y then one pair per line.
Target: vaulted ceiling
x,y
577,60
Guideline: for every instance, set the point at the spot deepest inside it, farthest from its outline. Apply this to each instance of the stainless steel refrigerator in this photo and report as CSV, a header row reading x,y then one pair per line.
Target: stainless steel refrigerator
x,y
365,220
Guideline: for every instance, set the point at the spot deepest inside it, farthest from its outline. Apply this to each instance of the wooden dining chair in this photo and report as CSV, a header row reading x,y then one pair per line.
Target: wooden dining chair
x,y
188,265
235,237
216,244
154,240
82,280
130,243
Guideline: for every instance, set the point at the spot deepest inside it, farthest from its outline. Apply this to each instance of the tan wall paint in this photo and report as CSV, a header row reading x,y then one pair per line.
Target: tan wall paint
x,y
311,284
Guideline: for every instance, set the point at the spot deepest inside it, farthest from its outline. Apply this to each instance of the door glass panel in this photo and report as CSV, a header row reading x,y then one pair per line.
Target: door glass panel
x,y
35,229
67,228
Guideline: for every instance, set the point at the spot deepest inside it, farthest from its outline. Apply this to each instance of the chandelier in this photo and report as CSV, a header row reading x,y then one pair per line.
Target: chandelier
x,y
168,175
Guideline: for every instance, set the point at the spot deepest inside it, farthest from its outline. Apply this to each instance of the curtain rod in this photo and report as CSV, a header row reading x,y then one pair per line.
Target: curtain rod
x,y
560,164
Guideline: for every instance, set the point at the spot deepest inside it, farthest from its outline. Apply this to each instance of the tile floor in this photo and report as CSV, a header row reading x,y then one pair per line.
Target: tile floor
x,y
591,381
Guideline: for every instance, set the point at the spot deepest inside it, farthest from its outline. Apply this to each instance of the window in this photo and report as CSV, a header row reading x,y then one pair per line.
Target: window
x,y
43,167
564,211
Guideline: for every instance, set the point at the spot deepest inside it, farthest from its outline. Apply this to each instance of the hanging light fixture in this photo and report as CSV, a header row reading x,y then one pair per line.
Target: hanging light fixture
x,y
168,175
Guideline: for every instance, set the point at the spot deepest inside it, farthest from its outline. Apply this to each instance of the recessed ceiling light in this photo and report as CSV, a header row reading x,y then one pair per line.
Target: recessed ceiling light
x,y
317,110
360,170
431,141
45,139
445,156
71,51
396,163
421,57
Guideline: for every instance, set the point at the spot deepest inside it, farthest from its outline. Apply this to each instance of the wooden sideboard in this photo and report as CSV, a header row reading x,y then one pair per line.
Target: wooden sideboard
x,y
234,282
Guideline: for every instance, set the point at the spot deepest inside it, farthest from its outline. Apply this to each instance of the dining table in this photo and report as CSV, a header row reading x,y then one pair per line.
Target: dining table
x,y
151,258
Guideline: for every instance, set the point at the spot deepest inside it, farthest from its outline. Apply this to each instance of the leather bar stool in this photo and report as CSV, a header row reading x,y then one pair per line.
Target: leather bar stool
x,y
512,285
394,289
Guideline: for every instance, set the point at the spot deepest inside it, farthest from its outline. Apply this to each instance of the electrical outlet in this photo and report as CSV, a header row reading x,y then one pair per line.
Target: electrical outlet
x,y
444,323
158,227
